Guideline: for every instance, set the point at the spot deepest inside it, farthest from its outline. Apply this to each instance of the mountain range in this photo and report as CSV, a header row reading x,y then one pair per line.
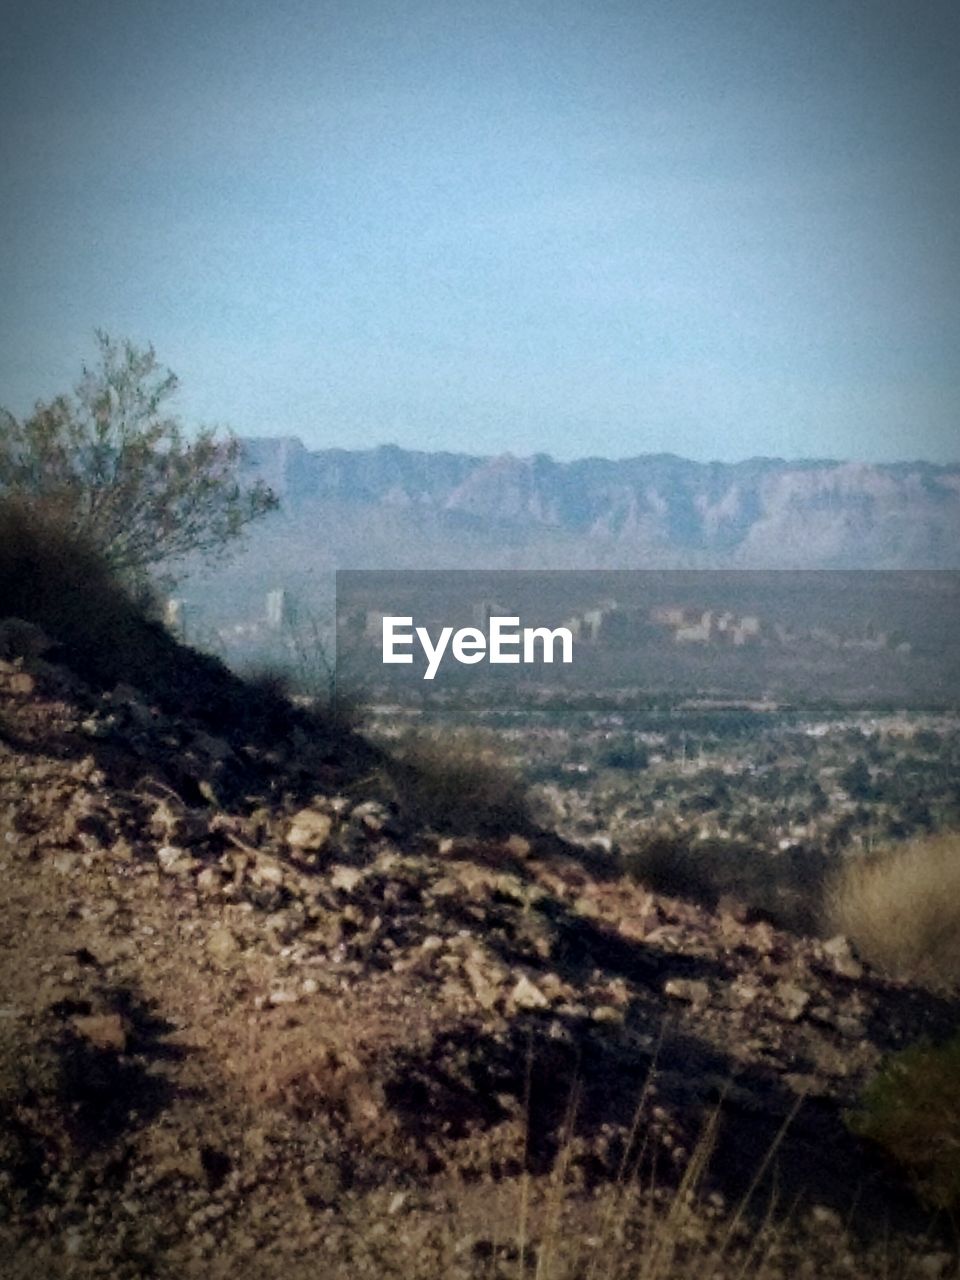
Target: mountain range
x,y
388,507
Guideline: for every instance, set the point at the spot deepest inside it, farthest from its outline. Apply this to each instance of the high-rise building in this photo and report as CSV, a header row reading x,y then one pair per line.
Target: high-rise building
x,y
279,609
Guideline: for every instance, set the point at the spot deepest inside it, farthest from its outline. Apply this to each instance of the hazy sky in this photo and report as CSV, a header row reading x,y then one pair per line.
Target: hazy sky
x,y
721,228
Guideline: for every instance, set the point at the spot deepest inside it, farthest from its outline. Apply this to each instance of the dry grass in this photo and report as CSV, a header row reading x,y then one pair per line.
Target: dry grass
x,y
457,783
648,1224
901,909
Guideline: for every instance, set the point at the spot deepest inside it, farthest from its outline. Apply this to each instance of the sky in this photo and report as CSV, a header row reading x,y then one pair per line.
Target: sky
x,y
722,229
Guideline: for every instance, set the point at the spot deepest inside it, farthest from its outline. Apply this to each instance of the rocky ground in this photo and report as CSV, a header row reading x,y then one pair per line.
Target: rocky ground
x,y
254,1022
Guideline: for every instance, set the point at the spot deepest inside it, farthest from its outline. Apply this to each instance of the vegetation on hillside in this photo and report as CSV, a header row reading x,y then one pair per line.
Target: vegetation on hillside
x,y
901,908
117,470
912,1109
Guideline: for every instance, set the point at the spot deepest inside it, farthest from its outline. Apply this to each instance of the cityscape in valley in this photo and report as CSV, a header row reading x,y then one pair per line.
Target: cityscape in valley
x,y
739,733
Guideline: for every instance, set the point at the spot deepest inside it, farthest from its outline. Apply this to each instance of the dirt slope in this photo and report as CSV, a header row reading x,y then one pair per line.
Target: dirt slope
x,y
252,1023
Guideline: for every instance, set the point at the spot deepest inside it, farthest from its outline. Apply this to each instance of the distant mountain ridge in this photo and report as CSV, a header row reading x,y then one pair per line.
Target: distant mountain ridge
x,y
389,506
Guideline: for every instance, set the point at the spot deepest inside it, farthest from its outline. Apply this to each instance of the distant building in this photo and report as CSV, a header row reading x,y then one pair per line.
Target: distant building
x,y
280,612
669,615
175,616
487,609
699,633
595,622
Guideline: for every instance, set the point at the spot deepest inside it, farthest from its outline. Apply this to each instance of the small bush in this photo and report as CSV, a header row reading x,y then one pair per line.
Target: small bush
x,y
333,713
901,909
785,888
456,784
267,680
912,1109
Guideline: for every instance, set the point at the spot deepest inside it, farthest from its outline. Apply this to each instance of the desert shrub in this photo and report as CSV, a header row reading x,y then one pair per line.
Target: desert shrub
x,y
786,888
121,472
911,1108
268,679
333,712
901,909
456,783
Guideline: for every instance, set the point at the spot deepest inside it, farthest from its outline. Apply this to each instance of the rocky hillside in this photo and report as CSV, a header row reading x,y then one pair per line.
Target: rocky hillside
x,y
256,1021
366,508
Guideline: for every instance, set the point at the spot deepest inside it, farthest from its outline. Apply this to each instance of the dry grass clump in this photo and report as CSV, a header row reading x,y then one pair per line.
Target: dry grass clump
x,y
457,783
656,1220
901,909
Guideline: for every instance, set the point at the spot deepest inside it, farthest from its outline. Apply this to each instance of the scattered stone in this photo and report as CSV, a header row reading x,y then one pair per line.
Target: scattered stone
x,y
21,683
517,846
607,1013
175,861
345,878
793,1001
743,991
309,830
485,988
840,954
527,996
267,871
823,1216
689,990
210,881
102,1030
732,910
222,944
372,815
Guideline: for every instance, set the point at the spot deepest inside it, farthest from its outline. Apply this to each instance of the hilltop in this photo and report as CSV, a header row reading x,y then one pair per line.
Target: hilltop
x,y
261,1018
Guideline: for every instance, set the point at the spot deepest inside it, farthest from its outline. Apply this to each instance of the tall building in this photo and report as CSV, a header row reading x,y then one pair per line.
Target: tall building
x,y
175,617
279,609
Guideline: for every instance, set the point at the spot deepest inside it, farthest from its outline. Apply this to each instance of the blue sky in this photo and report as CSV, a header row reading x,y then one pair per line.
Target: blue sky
x,y
719,229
